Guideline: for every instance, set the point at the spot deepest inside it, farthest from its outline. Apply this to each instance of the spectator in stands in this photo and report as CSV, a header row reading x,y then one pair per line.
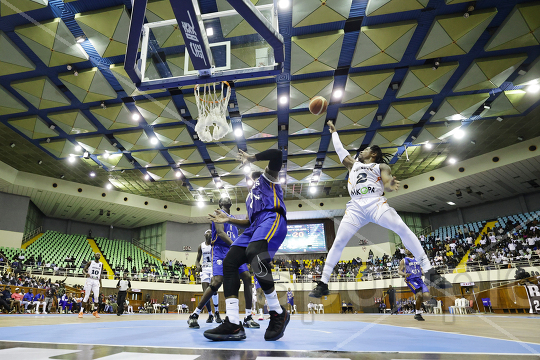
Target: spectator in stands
x,y
50,292
17,299
27,300
5,299
37,301
391,298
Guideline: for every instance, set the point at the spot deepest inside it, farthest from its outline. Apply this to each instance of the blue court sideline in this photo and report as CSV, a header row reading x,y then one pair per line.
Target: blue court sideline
x,y
320,335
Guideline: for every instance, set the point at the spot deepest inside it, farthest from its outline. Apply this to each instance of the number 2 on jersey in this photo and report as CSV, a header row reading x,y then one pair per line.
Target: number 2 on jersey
x,y
361,178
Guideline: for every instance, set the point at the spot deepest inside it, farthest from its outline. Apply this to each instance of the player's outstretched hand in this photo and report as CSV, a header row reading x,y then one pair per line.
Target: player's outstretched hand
x,y
245,158
394,184
331,126
218,217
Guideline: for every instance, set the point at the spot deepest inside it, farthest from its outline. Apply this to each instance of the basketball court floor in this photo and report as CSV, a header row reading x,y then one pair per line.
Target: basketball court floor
x,y
358,336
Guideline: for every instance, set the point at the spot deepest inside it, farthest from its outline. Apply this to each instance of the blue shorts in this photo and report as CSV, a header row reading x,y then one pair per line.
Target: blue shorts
x,y
416,285
290,302
217,266
269,226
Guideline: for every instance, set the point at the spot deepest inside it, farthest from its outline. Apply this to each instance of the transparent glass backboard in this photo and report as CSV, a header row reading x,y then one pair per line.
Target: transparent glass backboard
x,y
236,48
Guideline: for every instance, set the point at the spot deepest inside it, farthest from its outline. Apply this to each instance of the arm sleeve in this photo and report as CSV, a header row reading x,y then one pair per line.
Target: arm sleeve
x,y
118,283
340,150
274,156
129,283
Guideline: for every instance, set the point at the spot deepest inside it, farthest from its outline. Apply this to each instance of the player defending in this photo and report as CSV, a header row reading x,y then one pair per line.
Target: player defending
x,y
266,228
411,270
223,235
369,178
204,253
92,270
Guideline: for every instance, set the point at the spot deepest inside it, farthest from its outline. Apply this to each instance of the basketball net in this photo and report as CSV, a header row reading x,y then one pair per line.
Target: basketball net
x,y
212,102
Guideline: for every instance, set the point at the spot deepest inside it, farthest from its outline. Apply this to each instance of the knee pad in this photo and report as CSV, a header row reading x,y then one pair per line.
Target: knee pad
x,y
215,288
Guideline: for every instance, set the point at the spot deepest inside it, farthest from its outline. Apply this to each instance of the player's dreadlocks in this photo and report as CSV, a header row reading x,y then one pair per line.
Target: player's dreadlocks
x,y
380,158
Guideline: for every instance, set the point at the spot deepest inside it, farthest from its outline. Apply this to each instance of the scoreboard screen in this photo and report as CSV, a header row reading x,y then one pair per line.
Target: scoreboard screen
x,y
304,238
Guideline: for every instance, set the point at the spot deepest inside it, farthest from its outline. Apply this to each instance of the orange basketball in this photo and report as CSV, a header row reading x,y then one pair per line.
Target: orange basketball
x,y
318,105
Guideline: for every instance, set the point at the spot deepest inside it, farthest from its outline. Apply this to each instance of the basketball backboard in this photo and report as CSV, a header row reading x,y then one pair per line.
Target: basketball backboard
x,y
216,46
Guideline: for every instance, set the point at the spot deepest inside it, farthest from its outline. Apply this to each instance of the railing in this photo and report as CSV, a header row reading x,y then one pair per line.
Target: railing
x,y
425,231
30,235
146,248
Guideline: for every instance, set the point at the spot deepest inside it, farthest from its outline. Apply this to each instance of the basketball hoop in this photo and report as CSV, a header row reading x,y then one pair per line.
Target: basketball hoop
x,y
212,104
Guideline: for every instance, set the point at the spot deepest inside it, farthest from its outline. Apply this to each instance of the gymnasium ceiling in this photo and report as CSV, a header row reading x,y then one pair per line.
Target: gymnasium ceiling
x,y
379,53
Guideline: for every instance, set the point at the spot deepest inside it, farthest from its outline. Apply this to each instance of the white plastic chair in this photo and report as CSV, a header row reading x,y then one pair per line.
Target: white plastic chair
x,y
320,308
156,308
310,308
438,309
179,308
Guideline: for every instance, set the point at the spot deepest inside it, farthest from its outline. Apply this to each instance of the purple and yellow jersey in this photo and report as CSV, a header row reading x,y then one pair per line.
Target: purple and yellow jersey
x,y
220,247
412,267
264,196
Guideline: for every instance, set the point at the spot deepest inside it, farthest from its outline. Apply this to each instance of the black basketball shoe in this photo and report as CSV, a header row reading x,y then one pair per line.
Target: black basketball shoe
x,y
419,317
433,278
210,319
193,321
320,290
217,318
227,331
278,323
250,323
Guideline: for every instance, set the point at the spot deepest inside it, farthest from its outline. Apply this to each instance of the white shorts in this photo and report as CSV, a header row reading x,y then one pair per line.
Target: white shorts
x,y
91,286
206,275
360,212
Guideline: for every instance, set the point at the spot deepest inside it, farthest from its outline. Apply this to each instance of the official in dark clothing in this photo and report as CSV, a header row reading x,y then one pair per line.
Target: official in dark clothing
x,y
391,298
122,286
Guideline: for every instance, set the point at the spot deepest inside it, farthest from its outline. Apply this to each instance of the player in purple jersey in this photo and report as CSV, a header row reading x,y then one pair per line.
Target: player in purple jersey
x,y
223,235
266,228
411,270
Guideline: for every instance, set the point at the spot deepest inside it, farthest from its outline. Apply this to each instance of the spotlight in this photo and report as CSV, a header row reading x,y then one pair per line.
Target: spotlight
x,y
106,155
218,183
224,195
153,141
499,119
146,177
436,64
487,106
12,145
78,148
459,134
40,162
466,15
200,203
52,127
209,31
103,106
69,67
283,100
62,176
337,94
48,140
451,203
71,159
238,132
520,138
92,174
315,177
428,146
312,189
80,39
282,180
247,169
283,4
473,142
452,160
75,73
533,89
250,182
135,117
108,186
86,155
200,188
178,174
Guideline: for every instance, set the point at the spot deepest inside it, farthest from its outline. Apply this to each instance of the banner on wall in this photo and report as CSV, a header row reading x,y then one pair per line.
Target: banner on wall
x,y
533,293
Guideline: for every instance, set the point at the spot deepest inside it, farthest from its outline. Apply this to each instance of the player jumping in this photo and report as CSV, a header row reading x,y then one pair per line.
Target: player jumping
x,y
369,178
93,271
223,235
266,228
411,270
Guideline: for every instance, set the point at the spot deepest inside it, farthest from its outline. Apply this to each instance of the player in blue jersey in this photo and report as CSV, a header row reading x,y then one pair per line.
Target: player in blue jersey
x,y
411,270
266,228
290,300
223,235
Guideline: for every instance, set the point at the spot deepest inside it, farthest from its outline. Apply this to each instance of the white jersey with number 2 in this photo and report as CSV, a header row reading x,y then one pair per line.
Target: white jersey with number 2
x,y
365,181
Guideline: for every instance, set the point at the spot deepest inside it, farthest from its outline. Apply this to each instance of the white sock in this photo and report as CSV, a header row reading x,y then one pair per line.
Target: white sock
x,y
273,302
344,234
197,311
232,309
418,311
82,308
248,312
215,301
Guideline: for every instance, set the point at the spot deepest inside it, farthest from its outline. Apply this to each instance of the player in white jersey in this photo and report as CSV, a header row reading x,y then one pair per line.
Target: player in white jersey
x,y
369,178
204,267
93,271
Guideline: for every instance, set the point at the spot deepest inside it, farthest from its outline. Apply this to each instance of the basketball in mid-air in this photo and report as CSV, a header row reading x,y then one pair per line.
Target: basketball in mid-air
x,y
318,105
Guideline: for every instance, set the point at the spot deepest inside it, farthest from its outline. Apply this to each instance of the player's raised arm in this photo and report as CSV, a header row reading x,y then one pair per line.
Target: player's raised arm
x,y
390,183
219,217
344,156
220,230
274,157
401,269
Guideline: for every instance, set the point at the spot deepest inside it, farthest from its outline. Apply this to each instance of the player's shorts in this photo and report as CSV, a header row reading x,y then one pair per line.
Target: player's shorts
x,y
360,212
416,285
290,301
206,275
91,286
269,226
217,265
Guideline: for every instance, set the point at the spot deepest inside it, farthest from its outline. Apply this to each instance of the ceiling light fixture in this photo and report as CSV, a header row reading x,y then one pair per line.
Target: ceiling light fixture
x,y
250,182
282,180
80,39
153,141
105,155
135,117
428,146
337,94
283,100
450,203
247,169
178,174
78,148
200,204
109,186
86,155
146,177
71,159
218,183
499,119
452,160
92,174
312,189
283,4
238,132
459,134
209,31
533,89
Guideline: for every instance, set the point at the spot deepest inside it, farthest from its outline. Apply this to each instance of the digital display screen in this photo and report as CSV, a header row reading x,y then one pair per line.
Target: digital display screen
x,y
304,238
